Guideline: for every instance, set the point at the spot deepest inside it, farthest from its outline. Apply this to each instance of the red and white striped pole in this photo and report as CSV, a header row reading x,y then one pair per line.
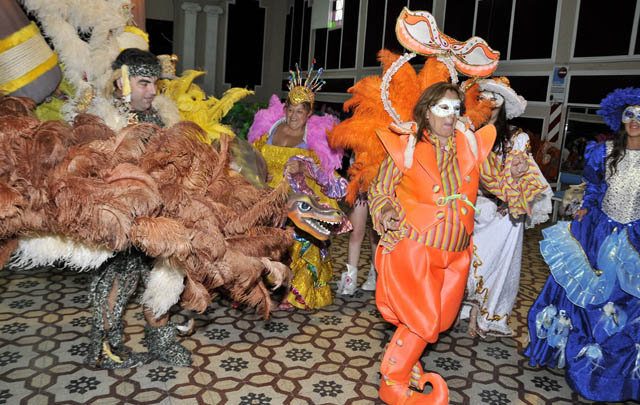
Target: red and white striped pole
x,y
552,144
553,132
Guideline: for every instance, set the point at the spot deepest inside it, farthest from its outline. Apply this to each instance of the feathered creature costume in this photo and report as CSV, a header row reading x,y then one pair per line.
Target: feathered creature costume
x,y
311,263
161,191
80,193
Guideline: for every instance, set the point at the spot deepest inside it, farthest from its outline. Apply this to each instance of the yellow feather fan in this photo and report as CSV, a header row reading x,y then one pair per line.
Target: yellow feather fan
x,y
195,106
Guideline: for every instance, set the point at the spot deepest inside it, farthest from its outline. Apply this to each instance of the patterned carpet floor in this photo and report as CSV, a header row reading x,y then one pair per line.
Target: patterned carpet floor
x,y
327,356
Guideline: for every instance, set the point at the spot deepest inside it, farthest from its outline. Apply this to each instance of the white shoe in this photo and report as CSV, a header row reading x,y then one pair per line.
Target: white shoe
x,y
347,284
370,283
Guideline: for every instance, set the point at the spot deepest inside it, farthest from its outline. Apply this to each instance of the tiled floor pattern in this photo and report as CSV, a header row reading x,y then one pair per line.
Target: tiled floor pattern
x,y
328,356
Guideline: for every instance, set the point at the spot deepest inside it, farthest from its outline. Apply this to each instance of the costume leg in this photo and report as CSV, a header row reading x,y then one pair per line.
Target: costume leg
x,y
453,287
162,345
409,287
398,370
111,287
349,279
160,339
370,282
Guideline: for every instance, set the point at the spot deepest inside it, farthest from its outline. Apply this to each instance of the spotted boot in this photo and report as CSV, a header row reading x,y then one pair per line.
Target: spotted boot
x,y
162,345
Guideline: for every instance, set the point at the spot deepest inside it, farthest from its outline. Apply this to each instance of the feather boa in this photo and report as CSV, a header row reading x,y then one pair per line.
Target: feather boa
x,y
317,129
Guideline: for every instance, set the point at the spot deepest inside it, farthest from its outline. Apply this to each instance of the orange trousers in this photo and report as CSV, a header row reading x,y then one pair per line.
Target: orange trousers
x,y
421,287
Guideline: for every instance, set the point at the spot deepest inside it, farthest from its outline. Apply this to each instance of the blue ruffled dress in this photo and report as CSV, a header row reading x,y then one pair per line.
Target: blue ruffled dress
x,y
587,317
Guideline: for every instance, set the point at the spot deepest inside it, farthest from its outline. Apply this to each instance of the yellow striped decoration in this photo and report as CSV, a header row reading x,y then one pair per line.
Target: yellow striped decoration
x,y
24,56
135,30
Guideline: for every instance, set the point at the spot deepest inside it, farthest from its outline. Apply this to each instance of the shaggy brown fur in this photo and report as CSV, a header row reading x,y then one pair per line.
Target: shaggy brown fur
x,y
160,190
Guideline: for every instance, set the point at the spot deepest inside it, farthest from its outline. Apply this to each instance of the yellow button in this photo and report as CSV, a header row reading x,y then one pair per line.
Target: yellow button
x,y
436,188
464,210
439,214
467,179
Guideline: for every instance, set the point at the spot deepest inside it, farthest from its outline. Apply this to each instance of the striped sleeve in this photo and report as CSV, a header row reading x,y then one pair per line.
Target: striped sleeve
x,y
382,191
502,185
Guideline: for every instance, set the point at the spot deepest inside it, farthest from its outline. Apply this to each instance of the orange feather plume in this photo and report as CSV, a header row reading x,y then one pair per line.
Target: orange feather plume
x,y
358,132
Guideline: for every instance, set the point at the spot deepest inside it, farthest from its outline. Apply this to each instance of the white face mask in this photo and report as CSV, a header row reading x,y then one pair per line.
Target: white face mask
x,y
495,98
631,113
445,107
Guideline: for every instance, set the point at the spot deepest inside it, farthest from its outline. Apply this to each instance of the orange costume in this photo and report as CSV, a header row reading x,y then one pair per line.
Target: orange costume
x,y
423,266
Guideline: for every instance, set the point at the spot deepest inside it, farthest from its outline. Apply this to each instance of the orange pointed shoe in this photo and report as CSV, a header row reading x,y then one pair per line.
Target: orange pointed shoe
x,y
400,369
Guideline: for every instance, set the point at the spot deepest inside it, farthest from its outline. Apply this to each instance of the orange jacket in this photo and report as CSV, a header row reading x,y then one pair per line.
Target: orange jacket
x,y
421,185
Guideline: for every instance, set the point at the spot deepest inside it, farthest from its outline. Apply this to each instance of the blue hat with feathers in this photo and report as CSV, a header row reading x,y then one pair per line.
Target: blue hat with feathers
x,y
612,106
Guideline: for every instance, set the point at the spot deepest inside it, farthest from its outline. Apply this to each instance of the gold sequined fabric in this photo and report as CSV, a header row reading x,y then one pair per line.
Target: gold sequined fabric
x,y
311,276
277,157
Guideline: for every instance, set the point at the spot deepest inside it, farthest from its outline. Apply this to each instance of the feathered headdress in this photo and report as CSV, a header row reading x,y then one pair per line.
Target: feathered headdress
x,y
612,106
418,32
299,92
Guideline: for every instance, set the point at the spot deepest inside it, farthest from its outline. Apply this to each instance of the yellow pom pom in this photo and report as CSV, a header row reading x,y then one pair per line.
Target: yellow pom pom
x,y
126,85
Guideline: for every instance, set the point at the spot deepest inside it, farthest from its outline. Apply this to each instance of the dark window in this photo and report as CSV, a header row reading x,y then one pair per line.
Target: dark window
x,y
331,85
337,85
592,89
492,24
604,30
333,49
286,63
306,34
458,19
533,27
243,67
350,34
422,5
532,88
160,36
373,35
320,47
394,7
296,37
637,50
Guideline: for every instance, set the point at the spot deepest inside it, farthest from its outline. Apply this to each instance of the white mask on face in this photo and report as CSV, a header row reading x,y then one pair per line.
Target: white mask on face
x,y
445,107
495,98
631,113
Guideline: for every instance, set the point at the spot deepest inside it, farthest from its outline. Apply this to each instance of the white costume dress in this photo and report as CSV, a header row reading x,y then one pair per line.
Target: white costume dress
x,y
494,274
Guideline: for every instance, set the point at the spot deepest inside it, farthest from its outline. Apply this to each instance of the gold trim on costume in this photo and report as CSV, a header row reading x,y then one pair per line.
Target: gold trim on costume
x,y
24,56
137,31
482,290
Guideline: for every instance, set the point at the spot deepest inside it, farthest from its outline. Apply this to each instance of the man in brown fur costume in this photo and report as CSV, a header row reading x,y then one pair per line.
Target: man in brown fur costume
x,y
117,279
136,88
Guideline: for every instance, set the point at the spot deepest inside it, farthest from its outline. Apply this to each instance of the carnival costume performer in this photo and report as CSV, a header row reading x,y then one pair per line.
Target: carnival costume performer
x,y
494,275
422,201
293,141
137,73
587,317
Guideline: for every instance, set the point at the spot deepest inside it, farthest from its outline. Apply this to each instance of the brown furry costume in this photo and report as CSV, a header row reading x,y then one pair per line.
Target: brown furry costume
x,y
156,189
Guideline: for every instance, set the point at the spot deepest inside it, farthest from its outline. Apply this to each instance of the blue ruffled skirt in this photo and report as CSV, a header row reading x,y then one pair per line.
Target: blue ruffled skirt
x,y
587,317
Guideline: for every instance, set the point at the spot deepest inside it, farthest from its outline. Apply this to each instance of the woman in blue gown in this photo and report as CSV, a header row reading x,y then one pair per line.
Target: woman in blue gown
x,y
587,317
